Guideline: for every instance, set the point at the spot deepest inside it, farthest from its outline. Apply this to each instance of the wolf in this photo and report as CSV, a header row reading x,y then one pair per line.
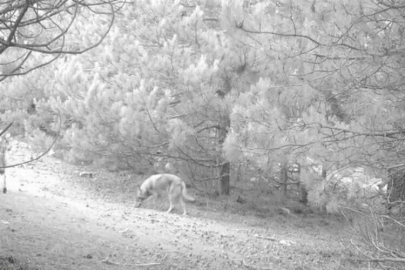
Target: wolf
x,y
158,184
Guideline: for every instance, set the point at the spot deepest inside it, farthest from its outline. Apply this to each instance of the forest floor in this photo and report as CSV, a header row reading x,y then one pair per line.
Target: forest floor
x,y
51,218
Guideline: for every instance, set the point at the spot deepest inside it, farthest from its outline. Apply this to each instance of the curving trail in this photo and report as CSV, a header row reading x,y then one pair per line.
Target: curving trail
x,y
49,221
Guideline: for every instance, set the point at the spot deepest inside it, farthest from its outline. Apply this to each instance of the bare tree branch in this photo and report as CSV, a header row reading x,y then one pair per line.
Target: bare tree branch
x,y
31,28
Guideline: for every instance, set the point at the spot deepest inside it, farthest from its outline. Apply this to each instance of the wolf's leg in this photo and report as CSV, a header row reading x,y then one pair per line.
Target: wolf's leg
x,y
171,206
173,193
155,196
150,198
183,204
142,201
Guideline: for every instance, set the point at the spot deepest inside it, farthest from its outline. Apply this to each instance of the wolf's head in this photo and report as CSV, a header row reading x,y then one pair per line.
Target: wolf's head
x,y
141,196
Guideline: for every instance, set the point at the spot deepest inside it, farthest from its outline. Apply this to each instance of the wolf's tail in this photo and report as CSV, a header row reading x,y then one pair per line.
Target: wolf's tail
x,y
185,194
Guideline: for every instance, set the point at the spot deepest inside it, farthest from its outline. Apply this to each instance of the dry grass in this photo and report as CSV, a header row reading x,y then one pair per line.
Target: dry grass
x,y
69,222
10,263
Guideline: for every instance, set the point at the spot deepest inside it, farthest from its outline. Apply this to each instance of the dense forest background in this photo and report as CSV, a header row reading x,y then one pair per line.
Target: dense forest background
x,y
222,91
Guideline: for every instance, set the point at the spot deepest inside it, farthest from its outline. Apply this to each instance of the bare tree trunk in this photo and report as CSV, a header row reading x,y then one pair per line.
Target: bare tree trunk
x,y
324,172
303,195
396,189
303,192
284,177
226,166
225,179
224,126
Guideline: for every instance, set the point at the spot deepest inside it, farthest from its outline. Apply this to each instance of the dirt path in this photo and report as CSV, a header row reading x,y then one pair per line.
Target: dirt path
x,y
48,221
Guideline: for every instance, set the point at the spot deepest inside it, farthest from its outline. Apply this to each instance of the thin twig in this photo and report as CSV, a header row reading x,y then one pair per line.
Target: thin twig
x,y
254,267
265,237
107,261
44,153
